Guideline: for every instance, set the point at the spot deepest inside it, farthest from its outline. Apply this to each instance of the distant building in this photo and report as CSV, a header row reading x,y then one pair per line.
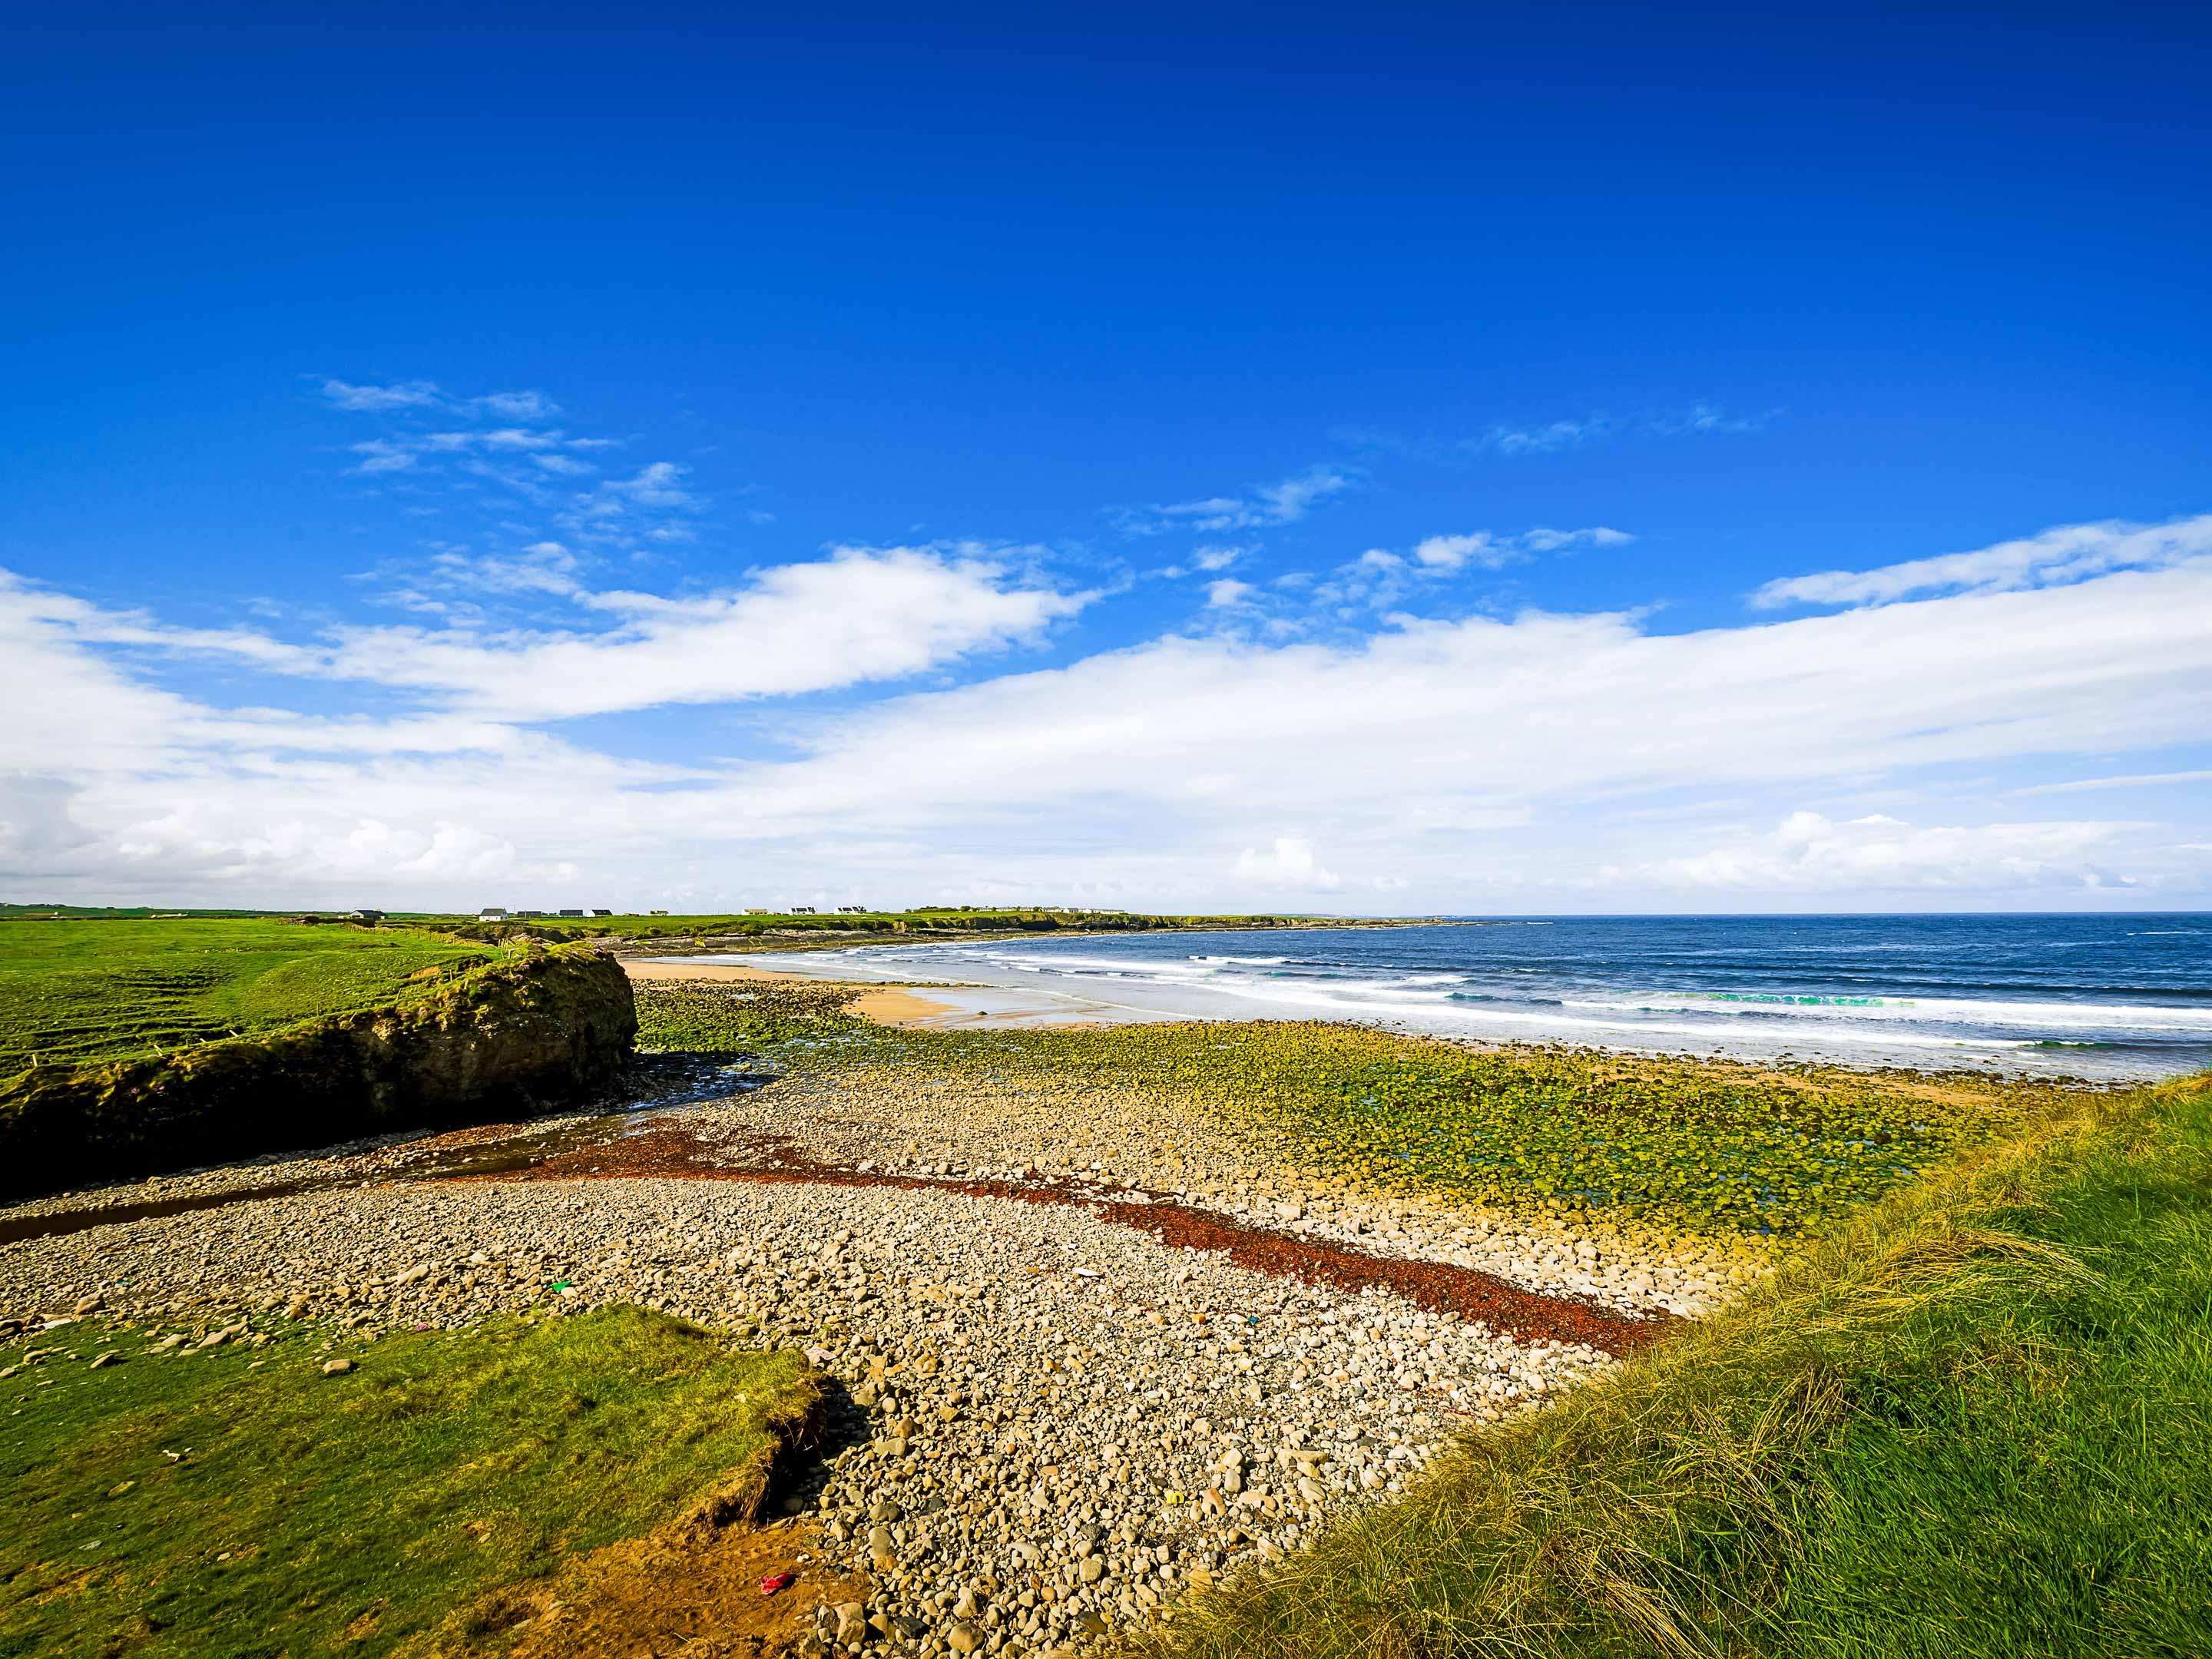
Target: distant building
x,y
656,913
852,909
491,912
572,913
522,914
757,910
365,915
603,913
802,910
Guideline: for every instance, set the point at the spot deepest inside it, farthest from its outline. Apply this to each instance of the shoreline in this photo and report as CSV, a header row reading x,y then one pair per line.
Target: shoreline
x,y
1860,997
952,1008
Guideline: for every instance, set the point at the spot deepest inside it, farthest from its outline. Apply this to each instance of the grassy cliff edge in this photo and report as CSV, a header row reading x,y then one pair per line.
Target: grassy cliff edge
x,y
512,1036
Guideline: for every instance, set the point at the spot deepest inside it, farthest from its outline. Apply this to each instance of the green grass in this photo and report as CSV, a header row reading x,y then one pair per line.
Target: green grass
x,y
922,923
75,991
301,1507
1977,1421
1701,1145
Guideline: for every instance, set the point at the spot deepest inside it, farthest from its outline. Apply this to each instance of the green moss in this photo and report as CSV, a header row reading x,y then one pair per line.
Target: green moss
x,y
301,1513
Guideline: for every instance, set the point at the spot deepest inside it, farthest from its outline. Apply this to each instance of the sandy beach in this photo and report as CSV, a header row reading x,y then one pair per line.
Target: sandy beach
x,y
945,1007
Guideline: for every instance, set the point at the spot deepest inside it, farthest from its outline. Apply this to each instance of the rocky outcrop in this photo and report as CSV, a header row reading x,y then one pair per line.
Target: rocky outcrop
x,y
519,1035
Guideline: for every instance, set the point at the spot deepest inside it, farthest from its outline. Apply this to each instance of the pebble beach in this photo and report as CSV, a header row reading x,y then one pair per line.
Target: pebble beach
x,y
1087,1352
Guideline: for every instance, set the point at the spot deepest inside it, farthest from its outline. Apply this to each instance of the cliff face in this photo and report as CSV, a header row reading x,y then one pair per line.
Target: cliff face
x,y
518,1037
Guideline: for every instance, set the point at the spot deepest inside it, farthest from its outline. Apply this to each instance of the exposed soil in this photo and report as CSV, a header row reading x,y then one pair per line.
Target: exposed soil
x,y
674,1591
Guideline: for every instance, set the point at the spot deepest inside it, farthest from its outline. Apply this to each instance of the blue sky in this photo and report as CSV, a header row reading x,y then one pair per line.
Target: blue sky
x,y
1479,459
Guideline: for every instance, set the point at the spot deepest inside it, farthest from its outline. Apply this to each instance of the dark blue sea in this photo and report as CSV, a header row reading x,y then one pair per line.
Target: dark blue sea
x,y
2105,996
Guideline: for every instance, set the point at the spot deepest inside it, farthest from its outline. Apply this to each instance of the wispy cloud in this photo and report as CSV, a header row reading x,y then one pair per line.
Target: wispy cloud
x,y
1545,439
1700,418
2067,553
427,394
1262,507
2135,781
1381,577
496,459
1488,551
376,399
1558,436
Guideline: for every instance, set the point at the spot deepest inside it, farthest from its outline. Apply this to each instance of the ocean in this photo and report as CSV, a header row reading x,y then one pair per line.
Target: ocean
x,y
2098,996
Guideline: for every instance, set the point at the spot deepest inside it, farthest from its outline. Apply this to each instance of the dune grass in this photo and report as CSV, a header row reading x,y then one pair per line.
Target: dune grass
x,y
1975,1421
212,1505
74,991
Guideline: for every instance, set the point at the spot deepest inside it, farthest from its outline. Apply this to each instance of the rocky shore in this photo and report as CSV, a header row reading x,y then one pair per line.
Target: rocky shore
x,y
1053,1413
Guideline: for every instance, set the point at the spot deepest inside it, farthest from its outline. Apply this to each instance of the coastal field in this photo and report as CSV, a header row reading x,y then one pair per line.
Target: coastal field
x,y
1292,1338
74,990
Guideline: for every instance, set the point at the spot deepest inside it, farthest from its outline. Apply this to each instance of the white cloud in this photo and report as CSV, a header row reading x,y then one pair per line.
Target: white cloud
x,y
1137,773
1291,863
1228,592
1808,852
862,615
2068,553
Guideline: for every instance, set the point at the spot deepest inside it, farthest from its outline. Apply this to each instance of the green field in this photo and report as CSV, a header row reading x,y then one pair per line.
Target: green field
x,y
237,1501
1701,1145
791,929
1977,1422
74,990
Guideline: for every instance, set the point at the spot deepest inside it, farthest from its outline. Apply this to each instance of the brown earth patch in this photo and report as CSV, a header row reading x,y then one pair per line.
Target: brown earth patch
x,y
1441,1287
685,1589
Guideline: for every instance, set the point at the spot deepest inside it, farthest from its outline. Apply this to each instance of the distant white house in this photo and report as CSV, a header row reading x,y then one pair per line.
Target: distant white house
x,y
802,910
757,910
492,913
852,909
